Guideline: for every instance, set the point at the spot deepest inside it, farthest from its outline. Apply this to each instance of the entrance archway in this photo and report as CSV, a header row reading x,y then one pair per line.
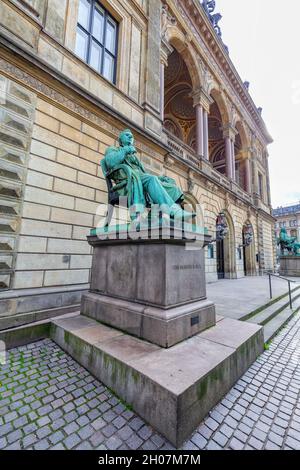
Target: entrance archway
x,y
249,250
226,259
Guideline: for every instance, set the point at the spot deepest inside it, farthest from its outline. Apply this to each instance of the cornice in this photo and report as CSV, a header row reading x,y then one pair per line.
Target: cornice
x,y
218,59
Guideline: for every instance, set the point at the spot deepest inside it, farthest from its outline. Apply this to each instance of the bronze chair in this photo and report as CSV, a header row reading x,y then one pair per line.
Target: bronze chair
x,y
113,195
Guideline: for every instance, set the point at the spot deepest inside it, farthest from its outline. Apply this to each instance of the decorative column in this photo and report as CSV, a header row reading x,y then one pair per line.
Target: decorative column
x,y
205,134
199,131
202,102
248,175
255,176
229,134
233,160
228,157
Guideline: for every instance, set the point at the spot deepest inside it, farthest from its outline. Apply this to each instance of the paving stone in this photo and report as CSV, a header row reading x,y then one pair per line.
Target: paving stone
x,y
43,421
157,440
255,443
86,432
71,428
97,439
211,424
125,432
275,438
213,446
205,431
20,422
134,442
3,442
148,445
292,443
271,446
136,423
220,439
240,436
113,443
261,411
43,432
108,430
5,429
119,422
14,436
199,441
85,445
10,416
294,433
42,445
145,432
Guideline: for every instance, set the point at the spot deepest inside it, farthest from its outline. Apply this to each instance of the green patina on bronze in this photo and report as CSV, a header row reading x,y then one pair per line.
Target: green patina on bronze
x,y
141,188
289,244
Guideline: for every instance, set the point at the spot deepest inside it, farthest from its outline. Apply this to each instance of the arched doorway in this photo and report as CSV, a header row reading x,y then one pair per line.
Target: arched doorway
x,y
225,248
249,250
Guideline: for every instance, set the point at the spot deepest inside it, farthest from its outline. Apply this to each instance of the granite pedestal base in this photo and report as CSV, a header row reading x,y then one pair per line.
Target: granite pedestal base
x,y
152,289
290,266
148,332
172,389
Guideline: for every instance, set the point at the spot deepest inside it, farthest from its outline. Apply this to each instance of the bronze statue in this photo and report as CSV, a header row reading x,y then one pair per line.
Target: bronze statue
x,y
288,243
139,187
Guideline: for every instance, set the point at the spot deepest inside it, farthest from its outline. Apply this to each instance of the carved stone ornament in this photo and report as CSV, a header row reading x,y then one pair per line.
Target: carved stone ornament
x,y
167,21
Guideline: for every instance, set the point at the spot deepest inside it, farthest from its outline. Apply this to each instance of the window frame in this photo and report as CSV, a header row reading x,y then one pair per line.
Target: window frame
x,y
89,33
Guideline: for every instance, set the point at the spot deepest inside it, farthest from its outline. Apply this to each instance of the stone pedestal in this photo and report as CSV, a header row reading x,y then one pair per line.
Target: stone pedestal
x,y
150,288
147,331
290,266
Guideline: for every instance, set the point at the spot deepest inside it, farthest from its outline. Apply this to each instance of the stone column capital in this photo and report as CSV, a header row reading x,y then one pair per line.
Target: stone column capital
x,y
229,132
200,97
246,153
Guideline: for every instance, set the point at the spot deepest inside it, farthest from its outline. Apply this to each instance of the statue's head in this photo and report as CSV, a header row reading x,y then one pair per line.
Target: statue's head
x,y
126,138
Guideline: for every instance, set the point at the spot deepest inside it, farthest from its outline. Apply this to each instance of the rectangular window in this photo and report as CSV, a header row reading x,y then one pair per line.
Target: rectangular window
x,y
97,38
211,254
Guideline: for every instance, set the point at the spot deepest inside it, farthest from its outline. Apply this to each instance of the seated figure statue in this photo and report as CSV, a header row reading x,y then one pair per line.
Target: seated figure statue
x,y
142,189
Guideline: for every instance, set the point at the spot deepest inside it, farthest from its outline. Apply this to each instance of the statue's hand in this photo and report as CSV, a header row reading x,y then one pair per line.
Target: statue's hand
x,y
130,149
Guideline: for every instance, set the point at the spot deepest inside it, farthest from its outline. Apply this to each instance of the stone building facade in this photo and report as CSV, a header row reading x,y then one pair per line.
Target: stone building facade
x,y
288,217
72,75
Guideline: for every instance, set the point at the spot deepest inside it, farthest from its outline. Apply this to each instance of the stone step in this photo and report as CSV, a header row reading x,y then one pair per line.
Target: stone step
x,y
279,321
172,389
266,315
271,303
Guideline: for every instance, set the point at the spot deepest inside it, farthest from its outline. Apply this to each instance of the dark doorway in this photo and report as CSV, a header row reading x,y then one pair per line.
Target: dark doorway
x,y
220,259
245,256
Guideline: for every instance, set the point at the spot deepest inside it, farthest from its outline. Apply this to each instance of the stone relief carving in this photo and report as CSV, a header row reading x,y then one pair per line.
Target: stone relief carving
x,y
167,21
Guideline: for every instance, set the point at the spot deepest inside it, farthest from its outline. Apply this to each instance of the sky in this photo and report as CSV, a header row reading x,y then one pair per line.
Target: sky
x,y
263,41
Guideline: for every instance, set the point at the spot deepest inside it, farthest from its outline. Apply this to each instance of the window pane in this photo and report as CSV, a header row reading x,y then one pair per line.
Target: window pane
x,y
84,13
96,56
108,67
110,42
81,44
98,24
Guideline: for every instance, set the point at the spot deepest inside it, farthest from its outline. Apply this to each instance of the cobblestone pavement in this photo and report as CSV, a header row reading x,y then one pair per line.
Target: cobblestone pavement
x,y
48,401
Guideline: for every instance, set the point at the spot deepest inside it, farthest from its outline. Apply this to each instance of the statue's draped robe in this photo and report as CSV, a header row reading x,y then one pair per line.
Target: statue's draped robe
x,y
142,189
